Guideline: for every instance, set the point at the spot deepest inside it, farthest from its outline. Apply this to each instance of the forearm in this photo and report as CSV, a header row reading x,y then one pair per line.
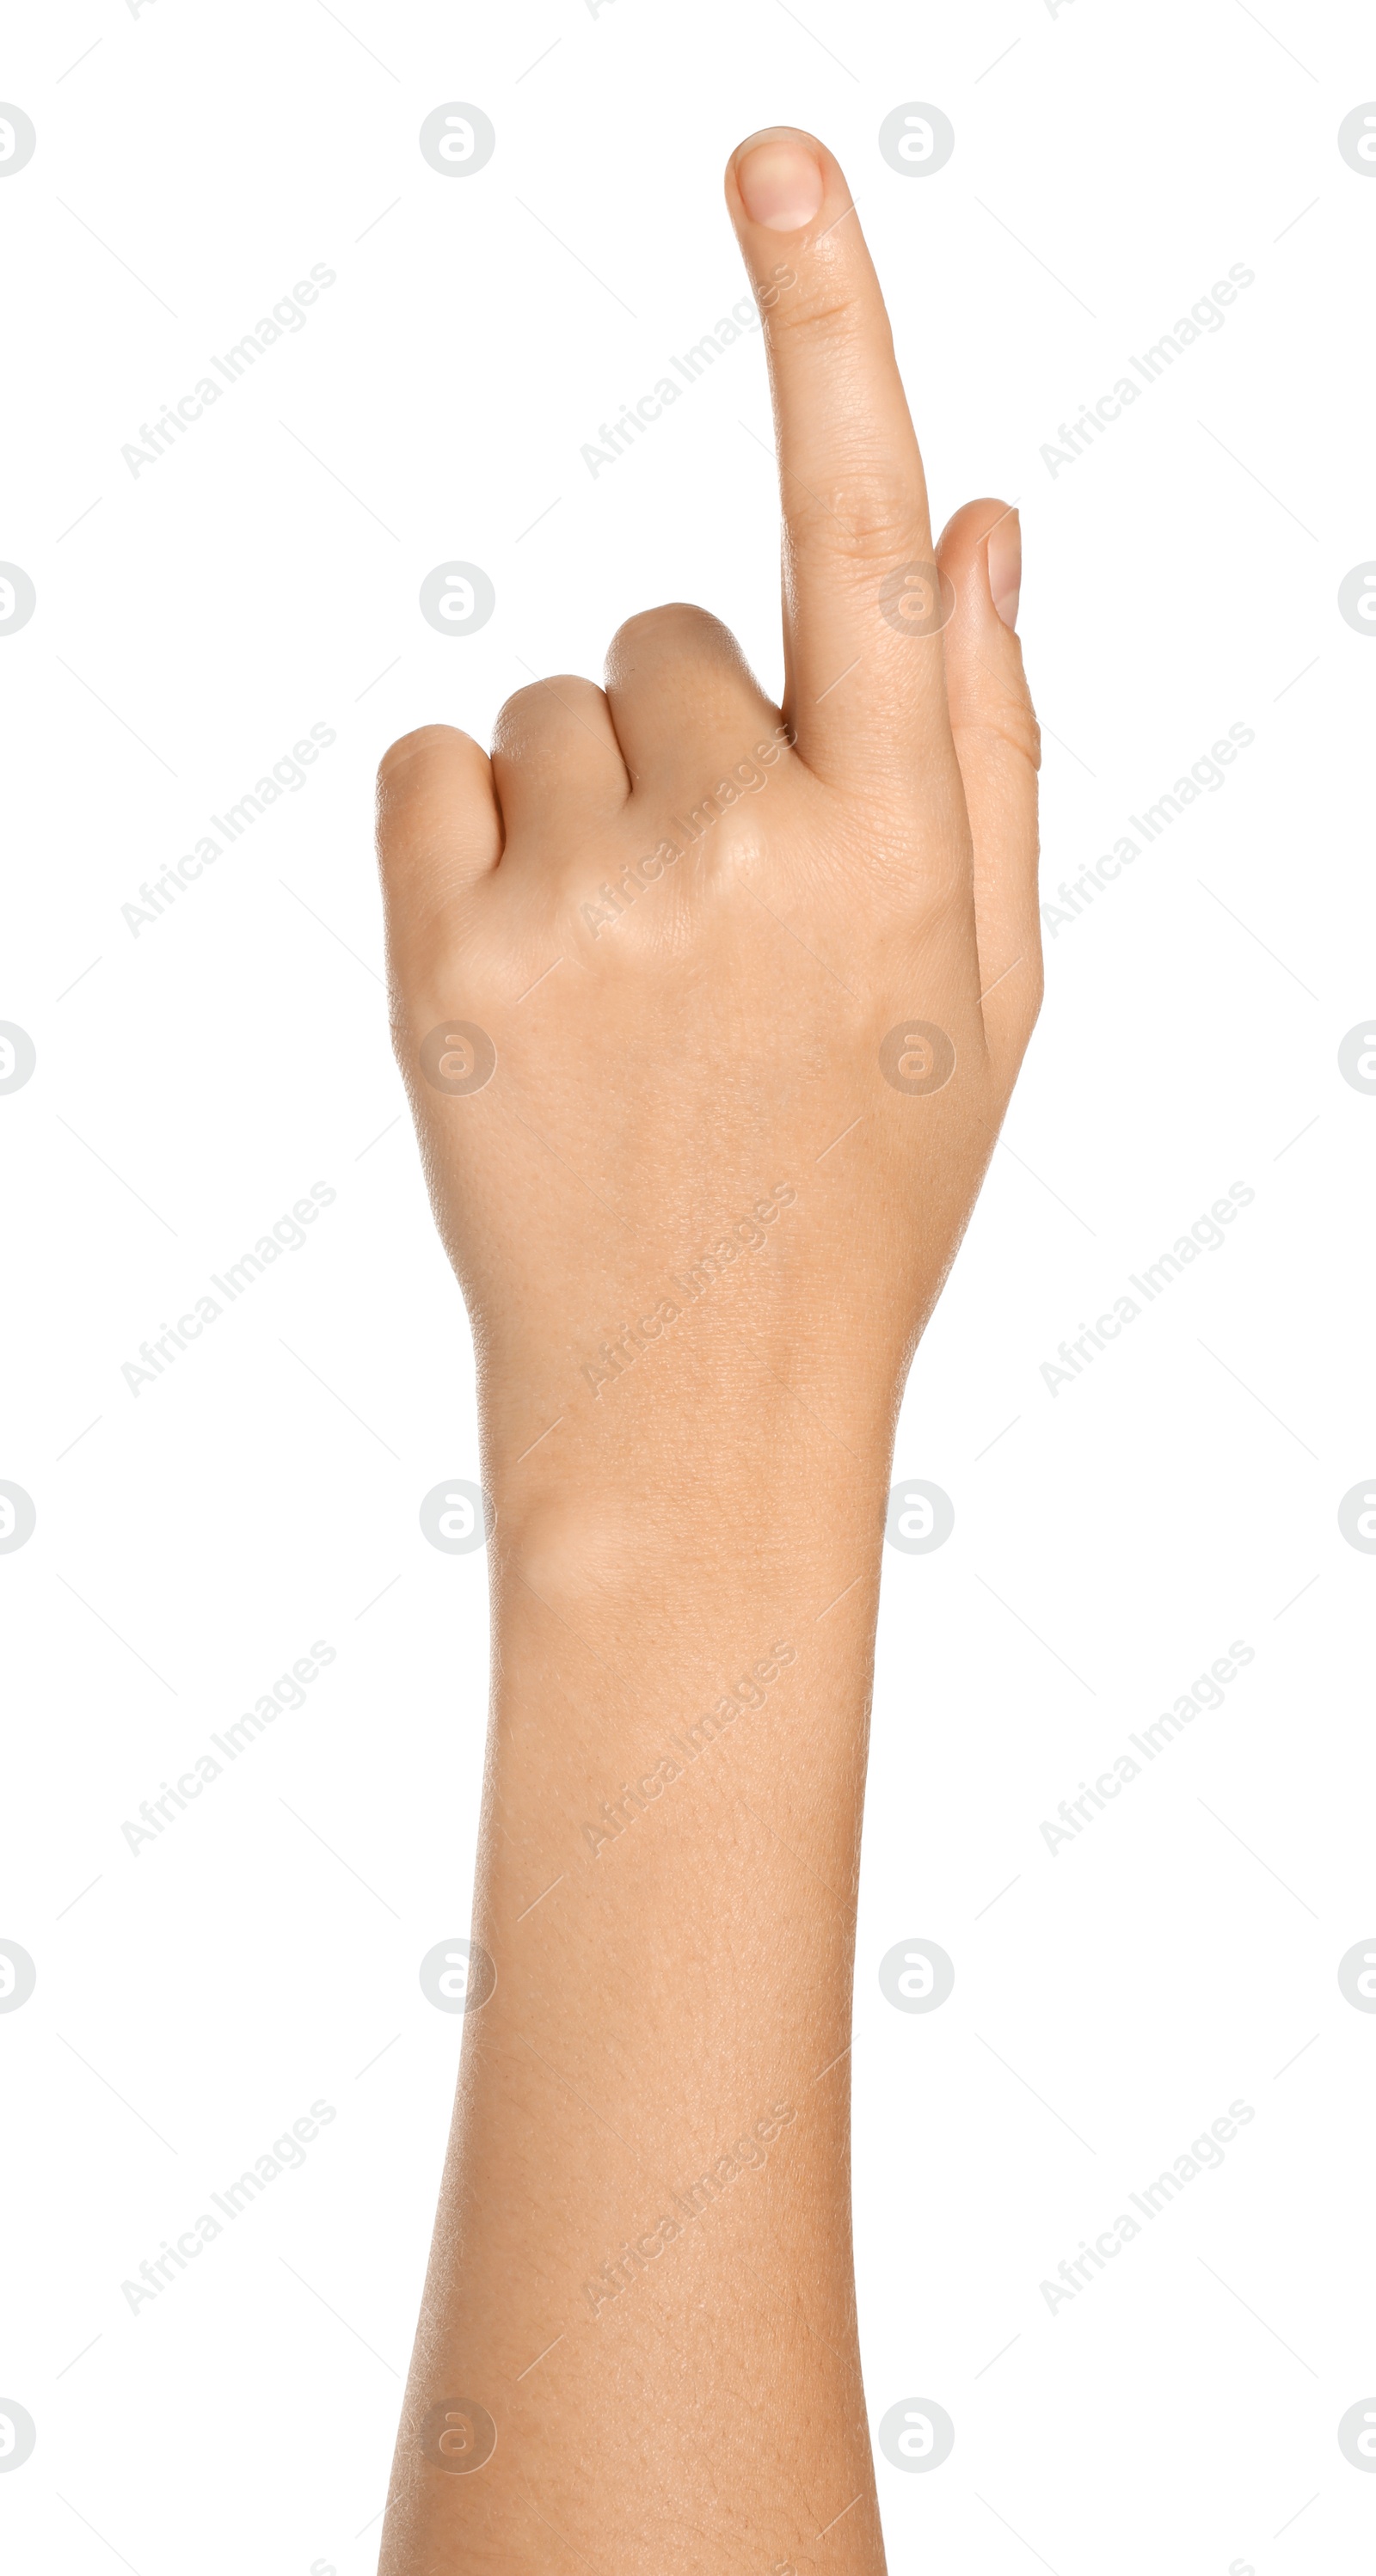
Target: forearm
x,y
643,2251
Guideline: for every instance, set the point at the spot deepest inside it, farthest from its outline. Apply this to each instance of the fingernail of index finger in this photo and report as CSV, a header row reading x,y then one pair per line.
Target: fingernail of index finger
x,y
780,179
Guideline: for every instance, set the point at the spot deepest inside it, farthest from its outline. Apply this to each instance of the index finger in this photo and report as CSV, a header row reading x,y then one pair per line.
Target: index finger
x,y
861,593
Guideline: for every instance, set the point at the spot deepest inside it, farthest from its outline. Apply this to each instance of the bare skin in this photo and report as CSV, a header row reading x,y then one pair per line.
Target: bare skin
x,y
758,981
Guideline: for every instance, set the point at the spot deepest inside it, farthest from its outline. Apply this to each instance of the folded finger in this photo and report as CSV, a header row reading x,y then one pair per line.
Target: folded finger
x,y
439,834
556,764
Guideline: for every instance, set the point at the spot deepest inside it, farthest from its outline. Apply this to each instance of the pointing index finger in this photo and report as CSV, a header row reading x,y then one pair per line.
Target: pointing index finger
x,y
862,598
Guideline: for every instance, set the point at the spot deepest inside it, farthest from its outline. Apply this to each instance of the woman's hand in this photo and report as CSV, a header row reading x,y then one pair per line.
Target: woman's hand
x,y
710,1010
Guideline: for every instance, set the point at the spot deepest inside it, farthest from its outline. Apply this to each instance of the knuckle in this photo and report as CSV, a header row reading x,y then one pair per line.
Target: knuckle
x,y
869,513
520,711
875,525
411,746
1023,733
1008,724
536,699
676,628
542,707
830,319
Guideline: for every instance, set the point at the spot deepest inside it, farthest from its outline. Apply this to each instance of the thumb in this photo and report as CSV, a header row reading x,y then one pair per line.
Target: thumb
x,y
999,750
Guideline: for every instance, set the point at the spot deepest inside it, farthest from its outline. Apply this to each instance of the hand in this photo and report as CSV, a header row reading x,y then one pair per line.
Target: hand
x,y
725,953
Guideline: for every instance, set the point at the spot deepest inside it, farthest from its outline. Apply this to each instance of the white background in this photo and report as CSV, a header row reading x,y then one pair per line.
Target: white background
x,y
1110,1540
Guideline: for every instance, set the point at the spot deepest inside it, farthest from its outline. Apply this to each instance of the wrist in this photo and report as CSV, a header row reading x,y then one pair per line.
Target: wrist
x,y
695,1531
